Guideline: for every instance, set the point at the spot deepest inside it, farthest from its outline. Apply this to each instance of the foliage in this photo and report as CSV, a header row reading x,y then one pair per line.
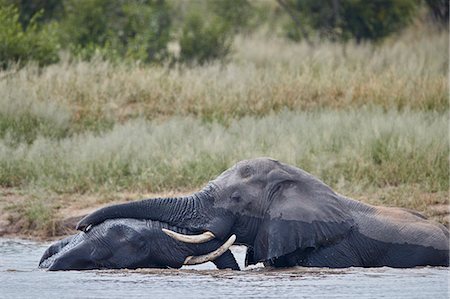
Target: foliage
x,y
439,10
18,46
236,13
347,19
204,30
203,41
146,31
48,10
139,29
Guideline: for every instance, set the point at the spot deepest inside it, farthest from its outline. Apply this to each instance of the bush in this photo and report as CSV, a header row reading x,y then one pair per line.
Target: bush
x,y
376,19
49,10
146,31
18,46
203,41
439,11
139,30
236,13
347,19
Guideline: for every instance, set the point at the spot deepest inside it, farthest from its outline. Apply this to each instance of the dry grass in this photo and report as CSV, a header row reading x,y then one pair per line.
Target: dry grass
x,y
263,76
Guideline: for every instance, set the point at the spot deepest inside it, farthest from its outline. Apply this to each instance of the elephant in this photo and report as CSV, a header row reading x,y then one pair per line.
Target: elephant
x,y
133,243
287,217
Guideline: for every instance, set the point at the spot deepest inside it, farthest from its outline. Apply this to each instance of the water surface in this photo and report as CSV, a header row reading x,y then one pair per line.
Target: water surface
x,y
20,278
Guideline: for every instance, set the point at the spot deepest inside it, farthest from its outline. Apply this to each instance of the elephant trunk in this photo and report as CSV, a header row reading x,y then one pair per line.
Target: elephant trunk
x,y
185,212
195,213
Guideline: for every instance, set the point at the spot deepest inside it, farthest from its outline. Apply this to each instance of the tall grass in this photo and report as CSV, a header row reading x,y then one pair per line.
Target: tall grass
x,y
350,150
263,76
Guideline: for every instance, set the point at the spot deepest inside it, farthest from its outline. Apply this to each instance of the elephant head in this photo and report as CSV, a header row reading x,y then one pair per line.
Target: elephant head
x,y
133,243
273,208
286,217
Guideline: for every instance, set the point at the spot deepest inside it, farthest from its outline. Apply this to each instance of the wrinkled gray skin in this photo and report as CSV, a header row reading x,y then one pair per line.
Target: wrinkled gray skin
x,y
287,217
128,243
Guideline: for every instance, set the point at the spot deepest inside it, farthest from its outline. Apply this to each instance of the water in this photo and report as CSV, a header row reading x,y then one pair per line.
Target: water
x,y
20,278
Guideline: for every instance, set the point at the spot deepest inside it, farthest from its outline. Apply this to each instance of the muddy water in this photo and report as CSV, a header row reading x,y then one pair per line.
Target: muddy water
x,y
20,278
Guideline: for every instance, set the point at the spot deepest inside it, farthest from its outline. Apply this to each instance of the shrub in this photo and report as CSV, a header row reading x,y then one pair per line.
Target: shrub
x,y
203,41
146,31
439,11
36,43
236,13
346,19
135,29
49,10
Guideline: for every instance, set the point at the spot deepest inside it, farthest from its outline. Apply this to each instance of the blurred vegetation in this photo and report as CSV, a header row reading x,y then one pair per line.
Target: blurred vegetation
x,y
202,41
136,30
439,12
99,98
49,10
342,148
235,13
143,30
356,118
19,46
348,19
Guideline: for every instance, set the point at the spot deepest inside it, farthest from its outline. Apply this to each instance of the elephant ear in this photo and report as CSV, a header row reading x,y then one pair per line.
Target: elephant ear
x,y
303,214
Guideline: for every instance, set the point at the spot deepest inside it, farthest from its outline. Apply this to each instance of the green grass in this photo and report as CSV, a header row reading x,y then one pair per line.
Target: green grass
x,y
33,215
347,149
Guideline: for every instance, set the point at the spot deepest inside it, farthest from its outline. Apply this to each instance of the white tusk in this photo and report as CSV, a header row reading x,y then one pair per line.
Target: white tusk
x,y
202,238
88,228
195,260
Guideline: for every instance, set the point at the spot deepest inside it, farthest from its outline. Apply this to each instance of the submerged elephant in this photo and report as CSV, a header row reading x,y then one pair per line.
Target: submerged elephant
x,y
287,217
133,243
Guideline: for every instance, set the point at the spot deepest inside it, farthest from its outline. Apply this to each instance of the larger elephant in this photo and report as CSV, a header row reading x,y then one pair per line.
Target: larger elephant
x,y
287,217
131,244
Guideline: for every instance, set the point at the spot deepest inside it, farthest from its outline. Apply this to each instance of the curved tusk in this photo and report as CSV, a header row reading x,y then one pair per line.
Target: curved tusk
x,y
202,238
195,260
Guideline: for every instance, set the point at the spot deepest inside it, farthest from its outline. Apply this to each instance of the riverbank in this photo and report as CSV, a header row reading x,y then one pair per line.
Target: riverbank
x,y
29,217
47,217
